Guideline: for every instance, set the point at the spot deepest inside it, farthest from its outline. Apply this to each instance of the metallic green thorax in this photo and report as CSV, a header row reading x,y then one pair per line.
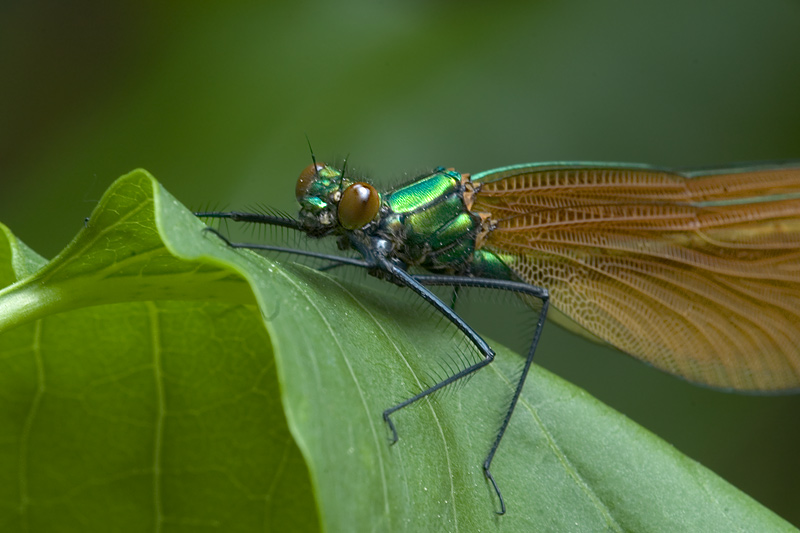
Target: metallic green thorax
x,y
427,222
430,226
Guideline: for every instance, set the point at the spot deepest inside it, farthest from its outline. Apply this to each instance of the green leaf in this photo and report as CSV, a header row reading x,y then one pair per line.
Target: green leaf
x,y
153,378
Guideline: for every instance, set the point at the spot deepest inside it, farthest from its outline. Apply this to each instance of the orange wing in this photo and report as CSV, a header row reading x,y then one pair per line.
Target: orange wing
x,y
698,275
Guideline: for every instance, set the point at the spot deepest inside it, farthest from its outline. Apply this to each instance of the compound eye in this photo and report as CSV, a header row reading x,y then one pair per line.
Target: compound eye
x,y
307,177
359,205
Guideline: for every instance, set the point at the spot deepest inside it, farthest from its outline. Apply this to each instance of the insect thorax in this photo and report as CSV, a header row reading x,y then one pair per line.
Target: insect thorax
x,y
430,225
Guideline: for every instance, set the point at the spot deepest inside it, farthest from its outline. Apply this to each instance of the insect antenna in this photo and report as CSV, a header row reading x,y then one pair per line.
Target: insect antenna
x,y
344,169
311,150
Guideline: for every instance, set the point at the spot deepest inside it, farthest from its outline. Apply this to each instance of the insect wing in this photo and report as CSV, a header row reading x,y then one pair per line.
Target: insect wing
x,y
696,273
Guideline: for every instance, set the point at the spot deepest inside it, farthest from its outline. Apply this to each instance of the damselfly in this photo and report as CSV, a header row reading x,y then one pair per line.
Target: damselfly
x,y
697,273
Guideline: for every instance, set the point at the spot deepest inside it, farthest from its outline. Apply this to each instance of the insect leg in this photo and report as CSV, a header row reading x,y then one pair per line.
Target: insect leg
x,y
334,259
514,286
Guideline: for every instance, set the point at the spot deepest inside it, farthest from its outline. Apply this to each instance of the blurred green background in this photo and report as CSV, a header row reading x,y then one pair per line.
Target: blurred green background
x,y
216,100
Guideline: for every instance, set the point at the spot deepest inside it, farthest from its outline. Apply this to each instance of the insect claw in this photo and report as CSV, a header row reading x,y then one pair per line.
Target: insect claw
x,y
490,477
209,229
388,420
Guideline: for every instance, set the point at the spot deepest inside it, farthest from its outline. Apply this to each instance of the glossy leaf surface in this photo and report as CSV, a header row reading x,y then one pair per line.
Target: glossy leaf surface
x,y
155,379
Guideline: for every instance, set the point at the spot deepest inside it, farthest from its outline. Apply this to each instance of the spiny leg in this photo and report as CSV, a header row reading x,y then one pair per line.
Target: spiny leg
x,y
417,284
514,286
411,282
335,259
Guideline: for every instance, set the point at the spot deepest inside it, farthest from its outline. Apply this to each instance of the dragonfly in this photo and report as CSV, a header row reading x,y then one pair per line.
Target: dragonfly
x,y
694,272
